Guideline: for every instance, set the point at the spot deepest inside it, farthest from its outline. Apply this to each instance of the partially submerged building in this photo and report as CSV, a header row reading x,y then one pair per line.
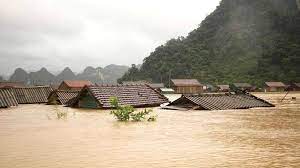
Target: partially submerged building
x,y
11,84
186,86
32,95
218,102
61,97
74,84
134,95
243,86
223,88
294,87
7,98
274,87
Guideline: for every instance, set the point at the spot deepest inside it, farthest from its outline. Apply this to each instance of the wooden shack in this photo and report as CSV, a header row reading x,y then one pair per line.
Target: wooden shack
x,y
32,95
7,98
244,86
274,87
134,95
186,86
218,102
61,97
74,84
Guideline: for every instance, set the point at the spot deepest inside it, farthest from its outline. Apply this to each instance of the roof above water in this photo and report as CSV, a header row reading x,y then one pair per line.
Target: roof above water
x,y
221,101
186,82
7,98
134,95
77,83
275,84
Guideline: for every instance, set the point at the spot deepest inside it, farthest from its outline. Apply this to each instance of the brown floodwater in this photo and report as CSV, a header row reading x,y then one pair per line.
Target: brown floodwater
x,y
32,136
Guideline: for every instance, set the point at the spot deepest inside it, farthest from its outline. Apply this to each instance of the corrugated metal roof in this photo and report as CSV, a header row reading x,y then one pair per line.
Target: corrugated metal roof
x,y
220,101
77,83
32,95
7,98
134,95
63,96
186,82
275,84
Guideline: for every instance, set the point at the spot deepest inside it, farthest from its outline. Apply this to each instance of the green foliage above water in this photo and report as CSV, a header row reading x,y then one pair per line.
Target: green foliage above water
x,y
241,41
126,113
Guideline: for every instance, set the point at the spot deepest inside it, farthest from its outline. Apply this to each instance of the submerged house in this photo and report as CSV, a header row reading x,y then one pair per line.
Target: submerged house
x,y
218,102
74,84
243,86
294,87
223,88
134,95
61,97
186,86
274,87
32,95
11,84
7,98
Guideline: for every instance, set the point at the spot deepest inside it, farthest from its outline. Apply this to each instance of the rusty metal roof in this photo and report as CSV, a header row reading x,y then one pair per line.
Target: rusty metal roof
x,y
186,82
77,83
275,84
7,98
32,95
134,95
63,96
220,101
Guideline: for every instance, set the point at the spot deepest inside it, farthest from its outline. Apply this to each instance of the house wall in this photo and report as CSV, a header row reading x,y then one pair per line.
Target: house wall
x,y
188,89
87,101
274,89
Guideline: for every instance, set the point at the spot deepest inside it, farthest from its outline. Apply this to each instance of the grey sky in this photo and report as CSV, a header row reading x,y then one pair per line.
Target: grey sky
x,y
78,33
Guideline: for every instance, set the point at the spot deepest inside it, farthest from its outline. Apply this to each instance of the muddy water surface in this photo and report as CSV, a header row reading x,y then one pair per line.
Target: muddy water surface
x,y
32,136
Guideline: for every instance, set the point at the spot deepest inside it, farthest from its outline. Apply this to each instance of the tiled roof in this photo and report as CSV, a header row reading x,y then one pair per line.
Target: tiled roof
x,y
77,83
220,101
7,98
275,84
134,95
11,84
186,82
63,96
32,95
242,85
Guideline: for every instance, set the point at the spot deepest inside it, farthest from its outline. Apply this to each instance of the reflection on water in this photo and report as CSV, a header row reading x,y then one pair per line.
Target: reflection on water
x,y
32,136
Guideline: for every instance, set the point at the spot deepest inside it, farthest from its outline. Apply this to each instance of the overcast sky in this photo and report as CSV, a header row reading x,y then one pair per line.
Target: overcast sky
x,y
79,33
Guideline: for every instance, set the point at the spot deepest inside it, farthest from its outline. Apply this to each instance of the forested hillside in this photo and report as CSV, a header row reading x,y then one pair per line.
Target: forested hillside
x,y
241,41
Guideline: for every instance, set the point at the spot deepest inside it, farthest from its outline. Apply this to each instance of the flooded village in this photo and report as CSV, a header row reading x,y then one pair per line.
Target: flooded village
x,y
150,84
224,128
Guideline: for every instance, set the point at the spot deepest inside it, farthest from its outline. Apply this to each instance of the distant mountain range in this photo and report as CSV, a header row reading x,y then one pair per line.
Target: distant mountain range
x,y
107,75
